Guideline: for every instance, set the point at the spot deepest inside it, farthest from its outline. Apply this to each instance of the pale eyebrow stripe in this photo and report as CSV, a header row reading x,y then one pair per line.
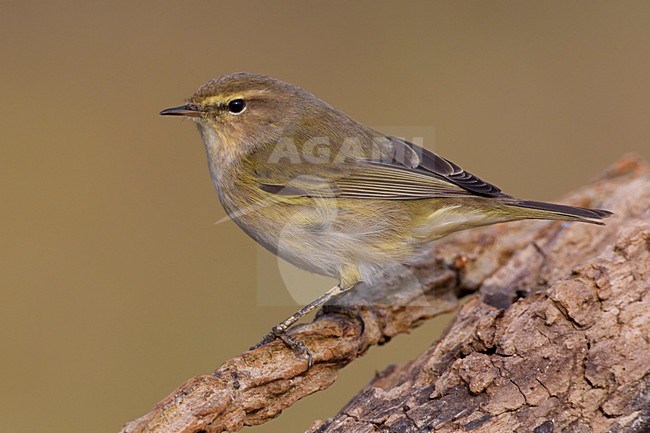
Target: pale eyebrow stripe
x,y
220,99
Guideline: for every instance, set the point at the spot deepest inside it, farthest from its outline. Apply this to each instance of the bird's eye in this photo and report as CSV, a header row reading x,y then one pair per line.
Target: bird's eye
x,y
236,106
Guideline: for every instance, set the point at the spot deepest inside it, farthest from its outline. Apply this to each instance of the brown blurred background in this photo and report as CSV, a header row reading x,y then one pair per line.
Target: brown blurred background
x,y
115,283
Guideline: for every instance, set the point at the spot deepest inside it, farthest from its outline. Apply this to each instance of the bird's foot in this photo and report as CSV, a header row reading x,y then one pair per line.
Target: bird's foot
x,y
298,347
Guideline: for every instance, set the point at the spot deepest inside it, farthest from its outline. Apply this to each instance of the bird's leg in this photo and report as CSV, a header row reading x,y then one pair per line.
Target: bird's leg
x,y
279,330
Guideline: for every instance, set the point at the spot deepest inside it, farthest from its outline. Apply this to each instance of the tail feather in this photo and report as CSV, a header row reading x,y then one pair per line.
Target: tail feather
x,y
559,211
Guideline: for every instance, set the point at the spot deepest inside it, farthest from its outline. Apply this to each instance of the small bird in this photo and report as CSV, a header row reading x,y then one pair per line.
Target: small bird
x,y
331,195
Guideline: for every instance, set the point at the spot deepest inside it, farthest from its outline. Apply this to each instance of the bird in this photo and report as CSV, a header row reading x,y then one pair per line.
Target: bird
x,y
331,195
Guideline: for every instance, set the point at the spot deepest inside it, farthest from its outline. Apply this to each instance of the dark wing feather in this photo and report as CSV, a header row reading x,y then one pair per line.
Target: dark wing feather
x,y
389,182
404,172
445,169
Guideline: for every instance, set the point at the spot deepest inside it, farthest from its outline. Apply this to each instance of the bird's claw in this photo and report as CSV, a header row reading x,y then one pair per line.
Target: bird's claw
x,y
298,347
271,336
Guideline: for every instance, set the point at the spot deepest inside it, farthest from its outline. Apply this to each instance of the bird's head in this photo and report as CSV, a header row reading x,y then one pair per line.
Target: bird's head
x,y
240,112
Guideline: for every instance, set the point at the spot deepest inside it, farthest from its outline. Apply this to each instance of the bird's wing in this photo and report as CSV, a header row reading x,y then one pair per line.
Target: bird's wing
x,y
441,168
402,171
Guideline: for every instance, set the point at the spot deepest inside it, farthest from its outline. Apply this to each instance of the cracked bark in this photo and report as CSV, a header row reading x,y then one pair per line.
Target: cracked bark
x,y
557,338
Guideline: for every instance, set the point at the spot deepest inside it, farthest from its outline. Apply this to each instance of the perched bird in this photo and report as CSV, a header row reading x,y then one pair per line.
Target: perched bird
x,y
331,195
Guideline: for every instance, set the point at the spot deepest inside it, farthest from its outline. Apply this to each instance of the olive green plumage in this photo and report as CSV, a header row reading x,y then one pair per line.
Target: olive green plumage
x,y
331,195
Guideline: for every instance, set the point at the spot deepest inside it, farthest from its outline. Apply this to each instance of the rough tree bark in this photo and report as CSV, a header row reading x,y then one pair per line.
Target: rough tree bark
x,y
558,338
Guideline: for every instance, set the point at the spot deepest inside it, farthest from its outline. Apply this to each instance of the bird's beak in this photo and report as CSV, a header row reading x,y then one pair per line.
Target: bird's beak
x,y
188,110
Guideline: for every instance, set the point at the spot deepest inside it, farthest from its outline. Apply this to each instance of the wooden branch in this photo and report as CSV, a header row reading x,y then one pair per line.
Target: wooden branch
x,y
558,340
505,262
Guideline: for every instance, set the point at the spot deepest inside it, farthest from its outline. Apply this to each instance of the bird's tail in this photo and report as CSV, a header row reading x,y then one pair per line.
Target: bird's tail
x,y
552,211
